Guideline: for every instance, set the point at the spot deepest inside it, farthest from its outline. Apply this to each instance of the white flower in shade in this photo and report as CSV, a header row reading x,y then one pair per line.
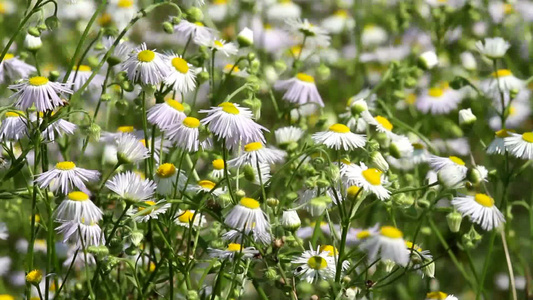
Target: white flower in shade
x,y
245,38
165,114
439,100
381,123
466,117
373,35
437,162
371,180
130,149
234,70
388,244
289,134
359,235
194,31
338,22
131,187
79,76
468,61
4,232
14,126
39,91
255,153
233,123
77,206
314,265
186,218
5,266
57,129
520,145
300,89
12,68
451,176
219,45
146,66
218,168
182,76
283,10
518,113
247,217
497,146
206,186
185,135
428,60
314,35
111,137
166,177
218,10
400,146
493,48
290,220
234,250
65,176
119,53
502,80
75,231
339,136
122,11
236,236
270,39
481,210
148,210
439,296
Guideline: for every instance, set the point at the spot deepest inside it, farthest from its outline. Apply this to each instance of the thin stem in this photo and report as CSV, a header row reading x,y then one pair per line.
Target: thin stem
x,y
509,265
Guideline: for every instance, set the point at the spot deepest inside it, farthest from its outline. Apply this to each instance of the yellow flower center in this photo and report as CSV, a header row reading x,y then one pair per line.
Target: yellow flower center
x,y
484,200
180,65
125,129
65,165
503,133
5,296
373,176
83,68
145,209
146,56
249,203
166,170
219,44
384,122
38,81
105,20
508,8
253,146
125,3
352,191
410,245
436,295
528,137
230,67
186,216
341,13
305,77
199,24
218,164
339,128
233,247
152,266
191,122
457,160
363,235
229,108
411,99
8,56
391,232
296,50
78,196
317,262
11,114
435,92
207,184
175,104
329,248
501,73
220,2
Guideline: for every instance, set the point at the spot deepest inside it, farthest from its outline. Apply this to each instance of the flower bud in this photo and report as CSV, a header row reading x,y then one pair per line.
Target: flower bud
x,y
290,220
358,106
468,61
429,269
454,220
403,200
194,14
322,183
323,72
466,117
192,295
98,251
54,75
34,277
249,173
423,203
32,43
450,176
428,60
318,205
52,22
379,161
389,265
240,193
168,27
271,274
136,237
34,32
280,66
245,38
272,202
94,131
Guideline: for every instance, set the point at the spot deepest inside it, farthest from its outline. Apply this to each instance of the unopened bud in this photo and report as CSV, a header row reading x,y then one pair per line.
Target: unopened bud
x,y
290,220
454,220
428,60
194,14
272,202
379,161
466,117
168,27
245,38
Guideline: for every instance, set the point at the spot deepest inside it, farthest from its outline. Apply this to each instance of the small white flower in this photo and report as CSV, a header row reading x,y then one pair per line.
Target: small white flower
x,y
371,180
389,244
75,231
373,35
218,168
130,149
182,76
186,218
466,117
497,146
290,220
77,206
437,162
289,134
79,76
219,45
283,10
520,145
57,129
146,66
451,176
256,152
12,68
338,22
428,60
149,210
339,136
206,186
14,126
314,35
247,216
314,265
400,146
194,31
131,187
32,43
493,48
468,61
245,37
481,210
39,91
65,176
234,250
439,296
165,114
501,81
300,89
439,100
166,177
122,11
185,135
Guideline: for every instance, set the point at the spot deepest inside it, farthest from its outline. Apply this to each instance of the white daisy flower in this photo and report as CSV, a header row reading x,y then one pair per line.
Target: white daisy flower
x,y
77,206
247,217
233,123
381,123
4,232
333,252
400,146
439,296
338,22
12,68
300,89
194,31
122,11
182,76
111,137
39,91
131,187
218,168
497,146
255,153
373,35
493,48
165,114
502,80
451,176
237,236
481,210
437,162
439,100
389,244
74,231
371,180
185,135
130,149
146,66
79,76
518,113
148,210
359,235
283,10
315,36
186,218
234,250
120,52
165,177
289,134
315,265
206,186
219,45
339,136
57,129
269,38
218,10
234,70
14,126
65,176
520,145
